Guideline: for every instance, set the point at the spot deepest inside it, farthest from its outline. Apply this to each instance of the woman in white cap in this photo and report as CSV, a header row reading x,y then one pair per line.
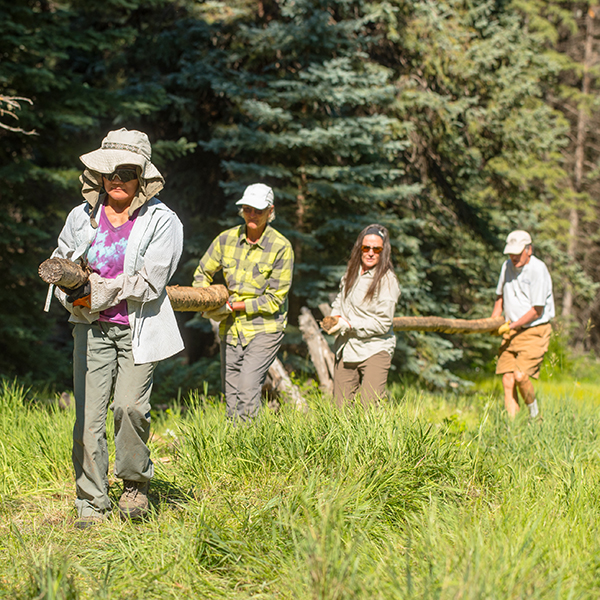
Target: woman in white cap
x,y
257,263
365,308
123,320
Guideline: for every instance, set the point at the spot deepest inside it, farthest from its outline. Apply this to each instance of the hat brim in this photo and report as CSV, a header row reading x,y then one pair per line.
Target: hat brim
x,y
106,160
514,248
254,203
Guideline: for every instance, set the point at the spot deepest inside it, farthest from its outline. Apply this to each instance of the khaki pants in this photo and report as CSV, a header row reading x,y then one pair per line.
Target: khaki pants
x,y
367,378
103,367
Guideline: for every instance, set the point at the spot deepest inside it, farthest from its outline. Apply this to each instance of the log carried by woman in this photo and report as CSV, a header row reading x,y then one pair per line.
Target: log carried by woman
x,y
67,274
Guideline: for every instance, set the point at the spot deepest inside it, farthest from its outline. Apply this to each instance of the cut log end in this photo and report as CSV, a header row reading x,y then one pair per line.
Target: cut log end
x,y
329,322
62,272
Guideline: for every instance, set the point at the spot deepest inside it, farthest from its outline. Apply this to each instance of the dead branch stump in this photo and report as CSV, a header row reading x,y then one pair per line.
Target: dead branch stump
x,y
281,382
318,348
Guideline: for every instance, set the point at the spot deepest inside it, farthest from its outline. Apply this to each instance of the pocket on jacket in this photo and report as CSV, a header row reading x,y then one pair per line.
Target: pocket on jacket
x,y
260,274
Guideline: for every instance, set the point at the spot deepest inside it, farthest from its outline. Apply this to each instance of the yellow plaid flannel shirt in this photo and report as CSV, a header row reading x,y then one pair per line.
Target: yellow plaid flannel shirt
x,y
260,275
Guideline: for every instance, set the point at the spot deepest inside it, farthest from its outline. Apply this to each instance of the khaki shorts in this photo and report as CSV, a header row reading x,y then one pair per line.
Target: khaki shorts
x,y
524,350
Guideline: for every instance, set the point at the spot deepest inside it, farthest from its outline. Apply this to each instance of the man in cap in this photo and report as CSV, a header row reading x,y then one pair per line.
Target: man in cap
x,y
257,263
524,293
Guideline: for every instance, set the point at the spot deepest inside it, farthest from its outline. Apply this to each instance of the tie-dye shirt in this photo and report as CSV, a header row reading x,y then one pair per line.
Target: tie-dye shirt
x,y
106,257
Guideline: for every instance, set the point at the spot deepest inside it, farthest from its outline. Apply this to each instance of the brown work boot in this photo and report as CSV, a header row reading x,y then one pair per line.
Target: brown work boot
x,y
133,503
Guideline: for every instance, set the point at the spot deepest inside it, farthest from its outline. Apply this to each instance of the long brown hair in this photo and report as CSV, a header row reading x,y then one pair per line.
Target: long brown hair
x,y
379,270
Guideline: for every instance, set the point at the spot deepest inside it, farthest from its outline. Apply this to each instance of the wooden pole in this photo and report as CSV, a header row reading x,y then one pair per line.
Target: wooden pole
x,y
443,325
194,299
438,324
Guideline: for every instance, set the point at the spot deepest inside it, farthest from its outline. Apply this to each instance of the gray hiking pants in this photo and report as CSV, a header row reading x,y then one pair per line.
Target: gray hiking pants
x,y
103,367
243,373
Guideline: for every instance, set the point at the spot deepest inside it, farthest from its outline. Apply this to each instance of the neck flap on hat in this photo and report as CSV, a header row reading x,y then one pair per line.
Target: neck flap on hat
x,y
93,188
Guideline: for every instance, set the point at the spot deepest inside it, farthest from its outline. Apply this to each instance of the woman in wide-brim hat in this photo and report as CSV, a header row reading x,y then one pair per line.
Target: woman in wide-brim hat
x,y
123,321
365,309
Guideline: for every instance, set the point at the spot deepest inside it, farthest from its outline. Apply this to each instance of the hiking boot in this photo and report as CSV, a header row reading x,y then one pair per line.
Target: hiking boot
x,y
133,503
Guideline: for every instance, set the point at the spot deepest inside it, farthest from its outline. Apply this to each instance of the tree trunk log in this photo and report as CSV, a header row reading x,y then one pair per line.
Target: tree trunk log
x,y
443,325
63,272
435,324
318,348
195,299
67,274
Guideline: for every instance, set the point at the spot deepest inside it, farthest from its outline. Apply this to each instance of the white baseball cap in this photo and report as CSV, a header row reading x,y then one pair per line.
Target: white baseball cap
x,y
516,242
257,195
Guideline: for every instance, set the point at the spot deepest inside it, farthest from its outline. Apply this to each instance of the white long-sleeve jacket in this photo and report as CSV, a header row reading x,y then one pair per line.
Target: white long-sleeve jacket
x,y
372,322
151,257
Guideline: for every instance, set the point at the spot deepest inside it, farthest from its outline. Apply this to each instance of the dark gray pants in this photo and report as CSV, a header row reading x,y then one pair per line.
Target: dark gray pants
x,y
243,373
103,367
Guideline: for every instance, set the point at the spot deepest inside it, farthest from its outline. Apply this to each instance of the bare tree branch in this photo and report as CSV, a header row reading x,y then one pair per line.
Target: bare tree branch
x,y
8,106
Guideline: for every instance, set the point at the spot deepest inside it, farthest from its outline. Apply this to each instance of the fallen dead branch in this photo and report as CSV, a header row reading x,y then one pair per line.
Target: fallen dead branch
x,y
318,348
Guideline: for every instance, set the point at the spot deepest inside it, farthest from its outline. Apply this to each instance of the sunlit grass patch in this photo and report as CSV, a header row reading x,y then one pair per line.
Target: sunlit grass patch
x,y
429,495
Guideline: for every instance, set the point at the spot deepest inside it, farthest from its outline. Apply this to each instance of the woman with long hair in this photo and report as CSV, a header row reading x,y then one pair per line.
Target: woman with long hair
x,y
365,308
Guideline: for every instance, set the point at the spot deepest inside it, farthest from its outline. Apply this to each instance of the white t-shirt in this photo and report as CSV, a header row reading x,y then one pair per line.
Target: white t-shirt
x,y
523,288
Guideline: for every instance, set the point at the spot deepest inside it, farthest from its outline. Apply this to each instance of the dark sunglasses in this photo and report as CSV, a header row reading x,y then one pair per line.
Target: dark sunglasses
x,y
376,249
123,175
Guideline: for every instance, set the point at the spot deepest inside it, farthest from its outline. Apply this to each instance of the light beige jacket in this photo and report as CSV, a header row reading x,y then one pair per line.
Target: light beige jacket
x,y
372,322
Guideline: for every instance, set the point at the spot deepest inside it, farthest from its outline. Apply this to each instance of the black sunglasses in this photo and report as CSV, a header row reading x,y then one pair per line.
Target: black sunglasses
x,y
123,175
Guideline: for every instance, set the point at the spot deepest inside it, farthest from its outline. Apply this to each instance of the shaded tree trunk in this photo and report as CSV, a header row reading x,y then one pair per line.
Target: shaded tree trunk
x,y
582,127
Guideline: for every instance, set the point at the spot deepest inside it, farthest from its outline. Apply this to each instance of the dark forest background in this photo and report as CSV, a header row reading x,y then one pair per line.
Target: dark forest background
x,y
450,122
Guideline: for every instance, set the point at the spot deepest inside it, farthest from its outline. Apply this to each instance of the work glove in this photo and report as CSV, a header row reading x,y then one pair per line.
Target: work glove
x,y
81,296
504,328
219,314
341,327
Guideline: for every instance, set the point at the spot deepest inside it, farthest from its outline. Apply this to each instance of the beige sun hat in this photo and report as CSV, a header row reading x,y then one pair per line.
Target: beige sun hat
x,y
257,195
123,147
516,242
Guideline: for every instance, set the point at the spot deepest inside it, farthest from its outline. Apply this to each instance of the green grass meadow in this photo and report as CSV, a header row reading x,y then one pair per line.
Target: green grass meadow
x,y
428,496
